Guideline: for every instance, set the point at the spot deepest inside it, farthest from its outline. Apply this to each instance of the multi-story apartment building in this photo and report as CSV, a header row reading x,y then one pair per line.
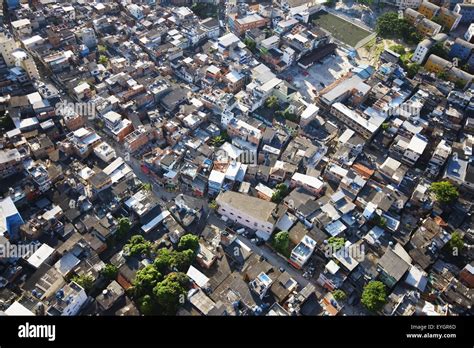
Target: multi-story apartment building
x,y
81,142
248,211
466,10
241,129
428,9
68,300
240,24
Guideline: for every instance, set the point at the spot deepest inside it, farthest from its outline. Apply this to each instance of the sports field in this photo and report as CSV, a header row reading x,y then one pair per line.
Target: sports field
x,y
341,29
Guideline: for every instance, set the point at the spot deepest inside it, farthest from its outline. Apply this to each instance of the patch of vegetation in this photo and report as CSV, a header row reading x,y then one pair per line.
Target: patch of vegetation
x,y
86,281
281,190
109,271
339,295
400,49
204,10
391,26
220,139
251,45
189,242
456,243
103,60
138,245
374,296
281,243
444,191
213,205
287,114
173,261
439,50
379,221
336,243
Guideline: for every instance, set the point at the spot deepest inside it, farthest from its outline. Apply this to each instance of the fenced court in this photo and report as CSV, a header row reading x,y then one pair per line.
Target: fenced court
x,y
341,29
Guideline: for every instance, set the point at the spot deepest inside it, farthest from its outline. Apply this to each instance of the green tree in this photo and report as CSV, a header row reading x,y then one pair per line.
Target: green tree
x,y
412,69
281,242
460,84
103,59
147,304
272,102
147,187
280,192
339,295
287,114
86,281
101,48
124,225
251,45
456,242
189,242
145,280
336,243
110,271
374,296
389,25
171,292
137,245
443,75
400,49
379,220
444,191
385,126
169,260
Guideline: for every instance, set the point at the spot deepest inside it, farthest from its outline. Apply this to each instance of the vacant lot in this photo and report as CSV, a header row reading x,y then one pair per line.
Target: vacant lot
x,y
341,29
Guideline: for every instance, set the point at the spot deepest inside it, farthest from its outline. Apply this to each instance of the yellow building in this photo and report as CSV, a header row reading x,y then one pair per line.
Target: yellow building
x,y
437,65
428,9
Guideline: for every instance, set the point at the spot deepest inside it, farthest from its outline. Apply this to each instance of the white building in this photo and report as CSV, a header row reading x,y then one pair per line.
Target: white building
x,y
248,211
421,51
105,152
302,252
68,300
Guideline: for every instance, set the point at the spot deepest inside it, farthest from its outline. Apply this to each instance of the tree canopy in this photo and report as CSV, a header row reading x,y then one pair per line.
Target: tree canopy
x,y
390,25
281,190
281,242
170,260
146,279
374,296
456,242
444,191
110,271
138,245
84,280
189,241
171,292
